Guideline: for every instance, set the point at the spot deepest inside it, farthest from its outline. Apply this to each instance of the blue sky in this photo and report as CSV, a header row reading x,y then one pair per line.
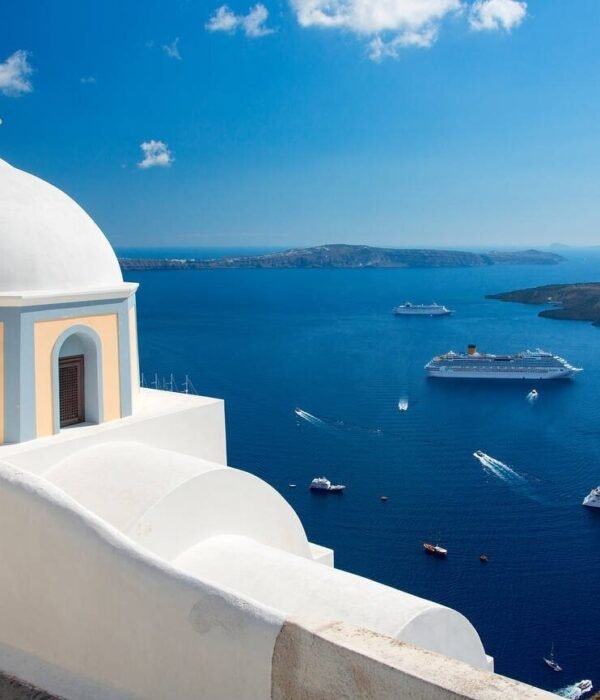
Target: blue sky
x,y
299,122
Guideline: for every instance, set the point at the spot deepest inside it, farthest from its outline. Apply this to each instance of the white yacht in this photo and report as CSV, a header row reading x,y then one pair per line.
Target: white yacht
x,y
592,500
323,484
409,309
530,364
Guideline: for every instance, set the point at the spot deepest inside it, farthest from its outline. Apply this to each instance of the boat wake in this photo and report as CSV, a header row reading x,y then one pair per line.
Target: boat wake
x,y
309,418
498,469
332,424
575,691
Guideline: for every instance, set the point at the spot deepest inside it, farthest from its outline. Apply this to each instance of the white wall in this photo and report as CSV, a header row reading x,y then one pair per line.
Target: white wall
x,y
191,425
87,614
301,588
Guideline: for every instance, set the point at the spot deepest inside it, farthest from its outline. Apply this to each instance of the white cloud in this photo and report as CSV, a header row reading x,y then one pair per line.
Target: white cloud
x,y
156,155
497,14
14,74
253,24
172,50
391,24
373,16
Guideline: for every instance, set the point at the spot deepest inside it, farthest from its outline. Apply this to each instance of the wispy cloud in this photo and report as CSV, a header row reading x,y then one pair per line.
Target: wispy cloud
x,y
497,14
14,74
252,24
172,49
379,49
87,80
156,155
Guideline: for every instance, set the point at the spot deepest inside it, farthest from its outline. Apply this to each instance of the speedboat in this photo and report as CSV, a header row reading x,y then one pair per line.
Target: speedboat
x,y
584,686
479,453
435,550
323,484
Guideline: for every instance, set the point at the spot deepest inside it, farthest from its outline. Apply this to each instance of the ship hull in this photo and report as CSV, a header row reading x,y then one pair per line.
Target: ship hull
x,y
512,375
591,502
422,312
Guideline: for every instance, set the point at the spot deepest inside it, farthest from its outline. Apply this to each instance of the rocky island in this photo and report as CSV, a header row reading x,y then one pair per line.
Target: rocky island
x,y
349,256
572,302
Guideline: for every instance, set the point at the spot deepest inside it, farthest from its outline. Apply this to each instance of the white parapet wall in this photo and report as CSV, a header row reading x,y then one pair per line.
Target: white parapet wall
x,y
86,614
190,425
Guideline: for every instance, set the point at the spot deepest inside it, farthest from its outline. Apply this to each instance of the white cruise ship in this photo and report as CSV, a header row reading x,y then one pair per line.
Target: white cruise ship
x,y
409,309
536,364
592,500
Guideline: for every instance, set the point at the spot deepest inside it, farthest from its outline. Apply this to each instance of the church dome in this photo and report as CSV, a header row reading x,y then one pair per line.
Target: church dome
x,y
47,242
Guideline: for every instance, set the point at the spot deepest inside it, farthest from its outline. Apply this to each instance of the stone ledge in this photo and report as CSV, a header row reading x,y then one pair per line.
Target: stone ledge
x,y
14,689
336,661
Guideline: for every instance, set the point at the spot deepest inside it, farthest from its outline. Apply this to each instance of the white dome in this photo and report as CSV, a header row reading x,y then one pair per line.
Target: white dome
x,y
47,242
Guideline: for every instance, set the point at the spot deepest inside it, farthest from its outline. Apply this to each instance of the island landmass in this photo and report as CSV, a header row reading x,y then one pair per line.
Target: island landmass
x,y
569,302
348,256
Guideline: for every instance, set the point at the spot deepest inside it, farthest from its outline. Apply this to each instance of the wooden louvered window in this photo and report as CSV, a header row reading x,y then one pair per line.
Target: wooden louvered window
x,y
70,380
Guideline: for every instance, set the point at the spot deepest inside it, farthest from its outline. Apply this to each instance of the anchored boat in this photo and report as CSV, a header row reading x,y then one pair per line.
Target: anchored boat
x,y
409,309
323,484
530,364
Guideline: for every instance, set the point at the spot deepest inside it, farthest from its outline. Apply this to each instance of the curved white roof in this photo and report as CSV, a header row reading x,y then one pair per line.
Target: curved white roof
x,y
47,242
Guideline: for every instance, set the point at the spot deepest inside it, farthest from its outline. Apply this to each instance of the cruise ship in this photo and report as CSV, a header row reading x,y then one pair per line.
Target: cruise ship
x,y
530,364
409,309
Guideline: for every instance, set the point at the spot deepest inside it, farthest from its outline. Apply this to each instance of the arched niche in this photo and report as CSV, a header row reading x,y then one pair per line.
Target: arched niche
x,y
80,341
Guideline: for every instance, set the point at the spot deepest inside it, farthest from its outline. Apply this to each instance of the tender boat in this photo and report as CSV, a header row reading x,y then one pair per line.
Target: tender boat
x,y
483,558
551,661
592,500
435,550
323,484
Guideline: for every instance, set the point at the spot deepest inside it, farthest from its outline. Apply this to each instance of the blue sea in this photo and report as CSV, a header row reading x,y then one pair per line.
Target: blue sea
x,y
268,341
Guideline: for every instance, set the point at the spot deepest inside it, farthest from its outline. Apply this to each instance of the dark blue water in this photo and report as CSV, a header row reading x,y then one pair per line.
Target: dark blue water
x,y
269,341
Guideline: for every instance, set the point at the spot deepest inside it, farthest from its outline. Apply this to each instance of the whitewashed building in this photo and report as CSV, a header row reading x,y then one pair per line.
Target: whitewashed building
x,y
134,563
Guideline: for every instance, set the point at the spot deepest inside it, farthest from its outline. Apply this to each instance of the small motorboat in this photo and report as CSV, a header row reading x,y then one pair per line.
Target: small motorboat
x,y
584,686
383,498
551,662
435,550
532,395
479,454
323,484
292,486
483,558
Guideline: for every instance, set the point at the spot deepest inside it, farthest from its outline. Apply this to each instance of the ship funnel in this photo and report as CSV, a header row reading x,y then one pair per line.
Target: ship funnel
x,y
471,349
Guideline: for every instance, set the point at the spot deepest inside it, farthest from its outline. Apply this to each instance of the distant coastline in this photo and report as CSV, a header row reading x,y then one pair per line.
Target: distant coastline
x,y
569,302
341,256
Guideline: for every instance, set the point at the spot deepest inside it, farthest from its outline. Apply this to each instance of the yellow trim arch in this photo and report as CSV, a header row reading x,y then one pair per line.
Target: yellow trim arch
x,y
46,334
